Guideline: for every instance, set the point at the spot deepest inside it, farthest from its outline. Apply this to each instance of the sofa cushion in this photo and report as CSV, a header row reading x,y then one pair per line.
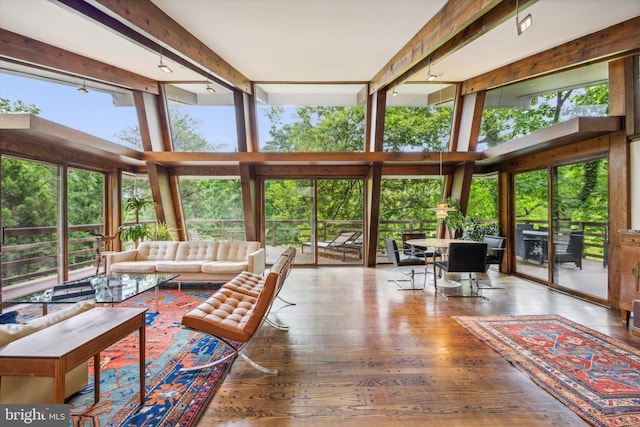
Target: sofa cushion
x,y
157,251
203,250
137,267
224,267
11,332
179,266
236,251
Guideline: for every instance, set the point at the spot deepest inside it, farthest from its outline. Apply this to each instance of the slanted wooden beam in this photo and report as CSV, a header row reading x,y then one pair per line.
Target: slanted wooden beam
x,y
616,41
453,19
145,16
24,49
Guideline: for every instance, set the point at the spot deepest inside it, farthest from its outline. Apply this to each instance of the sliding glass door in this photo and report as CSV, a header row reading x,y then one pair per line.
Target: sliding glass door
x,y
562,234
323,219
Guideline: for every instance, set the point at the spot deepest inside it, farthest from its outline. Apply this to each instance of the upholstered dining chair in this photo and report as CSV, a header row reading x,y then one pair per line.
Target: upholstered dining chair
x,y
421,252
467,257
400,259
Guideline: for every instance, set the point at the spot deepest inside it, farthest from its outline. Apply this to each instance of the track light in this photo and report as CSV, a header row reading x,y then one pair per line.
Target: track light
x,y
522,26
210,88
163,67
430,77
83,89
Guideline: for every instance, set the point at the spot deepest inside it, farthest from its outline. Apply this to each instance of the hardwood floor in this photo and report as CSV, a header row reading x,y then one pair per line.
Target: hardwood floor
x,y
361,353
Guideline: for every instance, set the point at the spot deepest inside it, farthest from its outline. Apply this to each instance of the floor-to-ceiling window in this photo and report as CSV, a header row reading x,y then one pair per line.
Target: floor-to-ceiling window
x,y
562,234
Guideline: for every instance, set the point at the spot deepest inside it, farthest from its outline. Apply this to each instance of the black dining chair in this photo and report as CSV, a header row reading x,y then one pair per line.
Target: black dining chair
x,y
470,258
421,252
574,250
400,259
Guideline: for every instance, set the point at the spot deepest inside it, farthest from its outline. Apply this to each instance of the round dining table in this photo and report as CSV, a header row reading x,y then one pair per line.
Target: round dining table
x,y
441,246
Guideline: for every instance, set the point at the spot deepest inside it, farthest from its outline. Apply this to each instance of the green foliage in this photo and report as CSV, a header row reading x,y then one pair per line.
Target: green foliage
x,y
17,107
159,231
454,221
476,230
135,233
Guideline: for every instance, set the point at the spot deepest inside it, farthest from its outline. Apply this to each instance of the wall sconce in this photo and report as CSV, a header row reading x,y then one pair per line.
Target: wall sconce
x,y
210,88
522,26
163,67
395,92
83,89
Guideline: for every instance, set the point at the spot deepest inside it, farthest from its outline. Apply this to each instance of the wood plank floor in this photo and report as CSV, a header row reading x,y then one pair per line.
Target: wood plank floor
x,y
361,353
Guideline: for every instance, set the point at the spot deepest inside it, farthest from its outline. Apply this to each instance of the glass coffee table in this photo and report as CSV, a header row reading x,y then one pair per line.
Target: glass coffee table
x,y
104,288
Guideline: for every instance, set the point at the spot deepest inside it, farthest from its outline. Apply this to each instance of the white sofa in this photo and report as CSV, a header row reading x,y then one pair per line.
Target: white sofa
x,y
36,390
201,260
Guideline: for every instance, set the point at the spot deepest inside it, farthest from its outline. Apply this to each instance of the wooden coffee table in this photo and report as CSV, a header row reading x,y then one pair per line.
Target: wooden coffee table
x,y
57,349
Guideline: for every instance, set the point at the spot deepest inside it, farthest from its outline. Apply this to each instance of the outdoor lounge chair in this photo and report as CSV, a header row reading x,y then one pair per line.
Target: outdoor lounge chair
x,y
337,244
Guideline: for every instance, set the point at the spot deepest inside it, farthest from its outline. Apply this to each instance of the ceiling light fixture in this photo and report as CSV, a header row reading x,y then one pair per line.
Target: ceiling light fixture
x,y
522,26
210,88
163,67
430,77
442,209
83,89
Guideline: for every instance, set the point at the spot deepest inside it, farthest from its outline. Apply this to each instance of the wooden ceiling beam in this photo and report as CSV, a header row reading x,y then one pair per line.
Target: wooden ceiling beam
x,y
616,41
23,49
453,19
149,19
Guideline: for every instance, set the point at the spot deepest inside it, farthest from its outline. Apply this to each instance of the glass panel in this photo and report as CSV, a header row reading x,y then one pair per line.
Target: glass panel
x,y
57,98
202,117
85,207
405,208
580,232
312,118
415,121
135,215
531,218
212,208
482,210
340,221
30,224
289,219
521,109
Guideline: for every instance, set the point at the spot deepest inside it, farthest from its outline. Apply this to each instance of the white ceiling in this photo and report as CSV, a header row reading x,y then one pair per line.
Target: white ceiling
x,y
314,40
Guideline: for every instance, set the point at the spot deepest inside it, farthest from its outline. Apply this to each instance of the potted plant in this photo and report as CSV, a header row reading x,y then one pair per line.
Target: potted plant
x,y
137,231
454,221
159,231
475,230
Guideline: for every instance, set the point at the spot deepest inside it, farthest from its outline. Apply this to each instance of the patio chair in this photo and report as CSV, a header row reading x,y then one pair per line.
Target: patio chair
x,y
400,259
470,258
574,250
336,244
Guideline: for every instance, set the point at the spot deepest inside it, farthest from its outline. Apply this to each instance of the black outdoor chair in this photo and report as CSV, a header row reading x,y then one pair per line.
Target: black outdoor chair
x,y
400,259
574,250
470,258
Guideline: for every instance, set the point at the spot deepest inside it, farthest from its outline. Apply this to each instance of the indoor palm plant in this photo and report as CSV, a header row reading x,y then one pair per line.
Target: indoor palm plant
x,y
137,231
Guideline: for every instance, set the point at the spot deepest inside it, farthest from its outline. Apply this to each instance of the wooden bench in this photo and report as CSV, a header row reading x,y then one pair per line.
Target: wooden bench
x,y
234,312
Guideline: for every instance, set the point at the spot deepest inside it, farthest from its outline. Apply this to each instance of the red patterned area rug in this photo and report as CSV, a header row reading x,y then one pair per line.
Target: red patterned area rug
x,y
172,398
596,376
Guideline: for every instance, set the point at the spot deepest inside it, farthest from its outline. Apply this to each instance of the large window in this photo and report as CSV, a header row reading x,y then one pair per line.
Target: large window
x,y
212,208
416,120
405,207
521,109
311,118
202,117
103,111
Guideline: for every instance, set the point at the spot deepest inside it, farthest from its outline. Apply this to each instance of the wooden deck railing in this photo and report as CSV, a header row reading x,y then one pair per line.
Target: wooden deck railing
x,y
31,253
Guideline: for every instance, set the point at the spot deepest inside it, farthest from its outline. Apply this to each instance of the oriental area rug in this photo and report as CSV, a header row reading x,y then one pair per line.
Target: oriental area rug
x,y
596,376
173,398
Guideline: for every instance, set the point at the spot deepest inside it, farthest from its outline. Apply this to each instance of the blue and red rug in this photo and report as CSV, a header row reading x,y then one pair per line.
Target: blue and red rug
x,y
172,398
596,376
